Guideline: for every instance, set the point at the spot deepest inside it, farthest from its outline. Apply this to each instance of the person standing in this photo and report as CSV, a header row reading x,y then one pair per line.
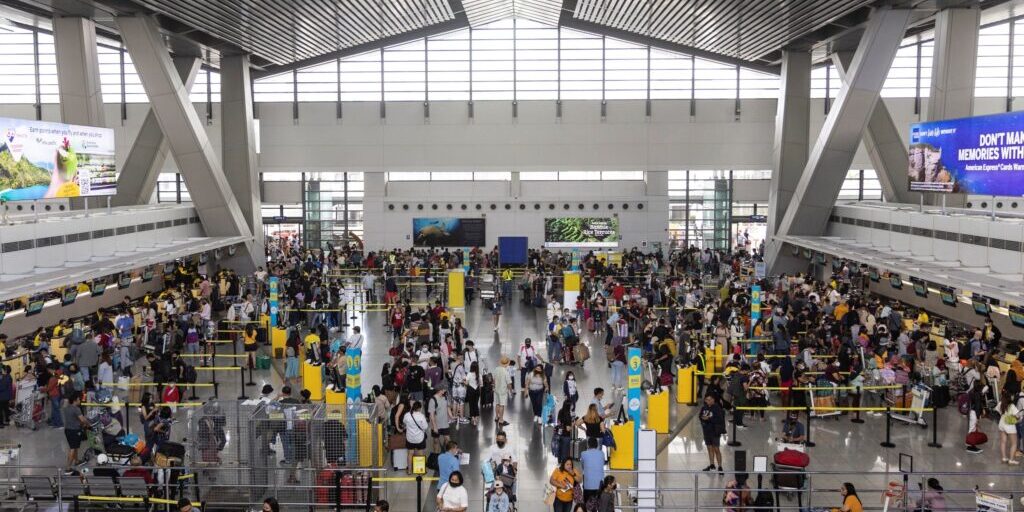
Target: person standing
x,y
74,425
592,460
415,426
473,385
571,390
536,385
6,395
452,495
564,479
712,423
496,311
502,388
448,462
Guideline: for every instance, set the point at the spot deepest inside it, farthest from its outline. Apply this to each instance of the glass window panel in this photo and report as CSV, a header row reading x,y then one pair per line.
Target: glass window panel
x,y
408,176
451,176
538,176
492,176
622,175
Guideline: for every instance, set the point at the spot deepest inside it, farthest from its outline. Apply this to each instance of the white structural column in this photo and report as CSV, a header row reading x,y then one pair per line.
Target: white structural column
x,y
189,144
78,71
954,64
884,146
792,133
238,141
141,169
833,152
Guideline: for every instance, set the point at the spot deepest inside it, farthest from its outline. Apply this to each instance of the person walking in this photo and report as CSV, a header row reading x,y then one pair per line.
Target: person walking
x,y
564,479
6,395
473,384
502,388
536,385
571,390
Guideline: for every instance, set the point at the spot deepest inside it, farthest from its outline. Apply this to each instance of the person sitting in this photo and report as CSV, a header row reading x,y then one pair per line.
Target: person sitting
x,y
793,431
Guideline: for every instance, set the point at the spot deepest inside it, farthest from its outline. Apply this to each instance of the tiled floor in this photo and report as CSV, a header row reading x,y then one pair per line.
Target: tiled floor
x,y
842,446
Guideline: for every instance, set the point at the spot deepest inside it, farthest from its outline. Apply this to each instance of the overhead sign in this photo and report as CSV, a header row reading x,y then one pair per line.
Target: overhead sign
x,y
40,160
981,155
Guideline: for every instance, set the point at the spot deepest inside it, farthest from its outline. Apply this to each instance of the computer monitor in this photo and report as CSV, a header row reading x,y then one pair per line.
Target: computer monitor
x,y
920,289
147,275
69,296
895,281
124,281
1017,315
34,307
873,275
948,296
981,307
169,268
98,287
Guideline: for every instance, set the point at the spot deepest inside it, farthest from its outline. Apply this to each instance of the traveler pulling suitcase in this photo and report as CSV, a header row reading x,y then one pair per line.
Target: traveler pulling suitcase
x,y
581,353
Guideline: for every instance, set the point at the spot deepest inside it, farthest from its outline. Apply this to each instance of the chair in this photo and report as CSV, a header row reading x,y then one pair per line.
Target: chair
x,y
134,487
38,488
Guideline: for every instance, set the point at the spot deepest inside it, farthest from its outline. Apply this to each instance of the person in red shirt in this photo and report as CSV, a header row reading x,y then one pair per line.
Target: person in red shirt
x,y
618,292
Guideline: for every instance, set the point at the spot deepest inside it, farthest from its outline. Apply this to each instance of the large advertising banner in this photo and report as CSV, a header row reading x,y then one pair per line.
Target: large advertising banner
x,y
972,155
581,232
40,160
448,232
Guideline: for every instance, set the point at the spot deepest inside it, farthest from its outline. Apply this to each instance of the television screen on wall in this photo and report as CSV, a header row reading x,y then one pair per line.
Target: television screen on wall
x,y
124,281
982,155
69,295
981,307
920,289
98,287
449,232
581,232
147,275
948,296
873,275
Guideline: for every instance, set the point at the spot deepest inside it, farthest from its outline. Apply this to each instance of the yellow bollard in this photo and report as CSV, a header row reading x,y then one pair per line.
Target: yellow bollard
x,y
710,362
625,445
657,412
335,397
312,380
686,388
278,340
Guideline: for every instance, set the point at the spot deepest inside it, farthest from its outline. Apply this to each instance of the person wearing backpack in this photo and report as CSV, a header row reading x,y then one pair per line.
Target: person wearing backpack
x,y
53,394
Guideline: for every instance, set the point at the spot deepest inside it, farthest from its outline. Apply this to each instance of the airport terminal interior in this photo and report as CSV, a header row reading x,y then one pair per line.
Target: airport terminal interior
x,y
511,255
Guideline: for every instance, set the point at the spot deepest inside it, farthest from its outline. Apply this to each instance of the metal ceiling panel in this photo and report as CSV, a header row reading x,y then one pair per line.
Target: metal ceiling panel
x,y
482,12
741,29
286,31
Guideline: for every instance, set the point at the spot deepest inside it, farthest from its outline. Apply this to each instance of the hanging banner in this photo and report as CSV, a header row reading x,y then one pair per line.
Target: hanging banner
x,y
41,160
273,301
992,503
353,379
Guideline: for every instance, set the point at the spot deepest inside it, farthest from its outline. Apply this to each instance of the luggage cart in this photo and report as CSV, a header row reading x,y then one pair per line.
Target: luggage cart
x,y
918,399
821,397
794,482
29,407
508,481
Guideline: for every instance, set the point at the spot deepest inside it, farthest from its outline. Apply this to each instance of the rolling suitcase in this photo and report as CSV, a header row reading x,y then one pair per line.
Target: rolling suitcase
x,y
400,459
581,353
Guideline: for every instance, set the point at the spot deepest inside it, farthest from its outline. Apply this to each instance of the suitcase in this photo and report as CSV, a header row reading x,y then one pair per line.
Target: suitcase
x,y
334,442
590,324
581,353
487,396
172,449
400,459
792,458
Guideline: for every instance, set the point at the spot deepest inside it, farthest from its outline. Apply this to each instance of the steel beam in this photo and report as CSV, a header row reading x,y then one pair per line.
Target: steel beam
x,y
169,99
883,144
78,71
141,169
792,133
238,141
822,178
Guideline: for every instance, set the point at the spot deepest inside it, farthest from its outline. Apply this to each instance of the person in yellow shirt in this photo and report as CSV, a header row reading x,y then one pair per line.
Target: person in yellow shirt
x,y
841,310
563,479
922,318
851,502
249,343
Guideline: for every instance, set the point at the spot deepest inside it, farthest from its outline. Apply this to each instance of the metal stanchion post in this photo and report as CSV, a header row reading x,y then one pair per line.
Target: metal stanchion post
x,y
808,443
193,396
419,493
251,382
241,380
369,493
935,429
693,388
856,415
888,428
337,491
216,390
733,440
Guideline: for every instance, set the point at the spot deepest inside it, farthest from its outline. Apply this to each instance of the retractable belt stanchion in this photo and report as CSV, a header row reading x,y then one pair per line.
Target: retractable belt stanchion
x,y
935,429
856,415
733,440
888,428
241,379
808,442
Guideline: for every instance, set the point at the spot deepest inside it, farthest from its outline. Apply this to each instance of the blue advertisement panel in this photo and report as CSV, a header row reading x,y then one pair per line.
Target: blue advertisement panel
x,y
353,378
974,155
273,301
633,384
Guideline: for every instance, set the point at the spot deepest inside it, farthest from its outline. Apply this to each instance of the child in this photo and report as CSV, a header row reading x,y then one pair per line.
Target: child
x,y
291,367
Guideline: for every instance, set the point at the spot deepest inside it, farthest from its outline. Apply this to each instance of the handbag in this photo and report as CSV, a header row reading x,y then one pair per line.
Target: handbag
x,y
549,494
396,441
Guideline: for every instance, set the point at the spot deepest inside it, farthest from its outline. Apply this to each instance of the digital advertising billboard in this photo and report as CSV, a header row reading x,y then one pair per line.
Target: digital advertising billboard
x,y
581,232
40,160
448,232
973,155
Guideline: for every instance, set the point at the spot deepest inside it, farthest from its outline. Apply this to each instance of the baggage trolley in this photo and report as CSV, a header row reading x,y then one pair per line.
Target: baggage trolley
x,y
789,480
918,399
822,397
28,410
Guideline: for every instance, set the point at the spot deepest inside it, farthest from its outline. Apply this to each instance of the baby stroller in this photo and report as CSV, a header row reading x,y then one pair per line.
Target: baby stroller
x,y
506,474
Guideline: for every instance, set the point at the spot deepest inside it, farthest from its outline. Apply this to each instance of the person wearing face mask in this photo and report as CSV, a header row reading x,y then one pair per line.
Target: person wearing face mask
x,y
571,390
452,495
501,451
536,384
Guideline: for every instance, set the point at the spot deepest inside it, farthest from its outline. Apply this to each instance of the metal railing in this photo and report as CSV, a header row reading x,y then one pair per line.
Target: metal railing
x,y
812,490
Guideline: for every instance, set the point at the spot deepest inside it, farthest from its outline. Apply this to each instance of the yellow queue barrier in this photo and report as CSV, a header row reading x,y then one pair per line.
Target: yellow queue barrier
x,y
825,388
155,384
625,446
313,380
137,404
686,388
278,341
712,358
236,356
125,499
658,411
771,356
838,408
335,397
